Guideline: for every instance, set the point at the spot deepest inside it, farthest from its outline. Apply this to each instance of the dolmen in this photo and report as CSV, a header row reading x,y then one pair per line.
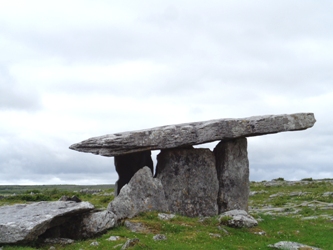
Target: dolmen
x,y
195,181
188,181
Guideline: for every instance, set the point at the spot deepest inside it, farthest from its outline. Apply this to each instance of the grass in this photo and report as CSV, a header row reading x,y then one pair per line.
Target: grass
x,y
195,233
22,194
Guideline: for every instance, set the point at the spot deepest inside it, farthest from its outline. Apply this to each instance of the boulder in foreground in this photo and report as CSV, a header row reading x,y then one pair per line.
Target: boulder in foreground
x,y
143,193
25,222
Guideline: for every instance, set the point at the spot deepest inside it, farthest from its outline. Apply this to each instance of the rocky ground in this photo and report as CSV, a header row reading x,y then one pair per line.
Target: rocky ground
x,y
308,199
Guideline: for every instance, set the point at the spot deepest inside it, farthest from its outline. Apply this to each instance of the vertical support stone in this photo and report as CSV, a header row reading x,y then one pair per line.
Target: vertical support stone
x,y
189,179
232,167
127,165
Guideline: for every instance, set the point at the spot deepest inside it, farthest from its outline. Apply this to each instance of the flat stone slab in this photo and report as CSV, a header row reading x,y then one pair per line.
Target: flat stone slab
x,y
195,133
25,222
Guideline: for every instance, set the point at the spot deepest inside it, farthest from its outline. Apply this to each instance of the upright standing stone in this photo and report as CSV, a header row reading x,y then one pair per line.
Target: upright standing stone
x,y
232,167
189,179
127,165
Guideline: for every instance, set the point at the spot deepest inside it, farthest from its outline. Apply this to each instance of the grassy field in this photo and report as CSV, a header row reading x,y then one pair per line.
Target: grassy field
x,y
301,212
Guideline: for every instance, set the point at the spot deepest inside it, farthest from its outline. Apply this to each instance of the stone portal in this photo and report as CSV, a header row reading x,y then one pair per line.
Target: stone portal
x,y
196,181
127,165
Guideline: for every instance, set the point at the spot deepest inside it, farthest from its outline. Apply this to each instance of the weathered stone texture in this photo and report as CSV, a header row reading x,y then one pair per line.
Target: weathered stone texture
x,y
232,166
173,136
96,223
238,218
82,226
127,165
25,222
189,180
142,193
289,245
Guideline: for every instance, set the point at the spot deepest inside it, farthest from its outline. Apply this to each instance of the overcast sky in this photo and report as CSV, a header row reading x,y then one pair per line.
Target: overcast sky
x,y
71,70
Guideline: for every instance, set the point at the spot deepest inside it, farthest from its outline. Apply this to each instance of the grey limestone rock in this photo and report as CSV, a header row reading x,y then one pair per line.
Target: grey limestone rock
x,y
238,218
189,179
142,193
94,243
289,245
66,198
159,237
113,238
83,225
130,243
232,167
96,223
215,235
25,222
195,133
163,216
127,165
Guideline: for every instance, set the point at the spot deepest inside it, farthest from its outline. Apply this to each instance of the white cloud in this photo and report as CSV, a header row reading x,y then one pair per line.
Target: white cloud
x,y
73,70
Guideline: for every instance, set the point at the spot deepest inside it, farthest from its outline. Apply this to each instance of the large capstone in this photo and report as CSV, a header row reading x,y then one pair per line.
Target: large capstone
x,y
190,181
173,136
127,165
232,166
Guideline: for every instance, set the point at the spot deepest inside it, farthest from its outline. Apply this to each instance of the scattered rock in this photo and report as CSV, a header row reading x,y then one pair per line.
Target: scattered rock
x,y
223,230
130,243
259,219
289,245
252,193
25,222
310,218
73,198
136,227
238,218
51,248
143,193
260,233
178,169
232,167
90,191
276,195
159,237
164,216
298,193
61,241
113,238
94,243
326,194
215,235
